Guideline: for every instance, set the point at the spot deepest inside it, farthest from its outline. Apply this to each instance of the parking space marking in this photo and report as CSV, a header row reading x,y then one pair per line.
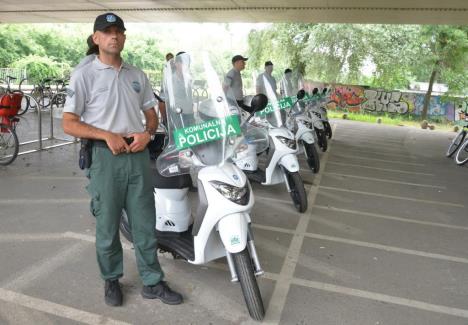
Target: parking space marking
x,y
377,159
26,237
56,309
43,268
456,205
382,153
91,239
367,244
375,179
388,217
382,169
382,297
388,248
282,286
42,201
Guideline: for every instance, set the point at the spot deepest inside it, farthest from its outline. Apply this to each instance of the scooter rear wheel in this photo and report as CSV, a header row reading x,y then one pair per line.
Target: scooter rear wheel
x,y
125,227
313,159
322,139
298,193
249,286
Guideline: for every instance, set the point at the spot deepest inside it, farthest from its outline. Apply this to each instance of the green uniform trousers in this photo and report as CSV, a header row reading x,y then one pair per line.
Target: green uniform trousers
x,y
123,182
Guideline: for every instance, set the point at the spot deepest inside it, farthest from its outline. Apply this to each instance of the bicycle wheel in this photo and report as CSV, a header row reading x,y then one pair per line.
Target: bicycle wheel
x,y
456,142
9,145
462,154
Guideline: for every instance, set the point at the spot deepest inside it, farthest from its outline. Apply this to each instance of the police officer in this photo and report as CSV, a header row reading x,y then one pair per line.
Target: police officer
x,y
233,80
266,75
104,103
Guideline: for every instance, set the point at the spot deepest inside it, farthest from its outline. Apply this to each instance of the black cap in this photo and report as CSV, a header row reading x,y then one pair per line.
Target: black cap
x,y
268,63
238,57
108,19
287,70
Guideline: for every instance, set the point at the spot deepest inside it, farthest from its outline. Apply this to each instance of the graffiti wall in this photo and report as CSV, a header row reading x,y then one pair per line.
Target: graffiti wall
x,y
362,99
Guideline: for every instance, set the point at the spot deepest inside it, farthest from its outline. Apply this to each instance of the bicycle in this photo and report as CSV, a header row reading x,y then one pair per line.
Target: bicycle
x,y
25,102
43,94
458,140
10,104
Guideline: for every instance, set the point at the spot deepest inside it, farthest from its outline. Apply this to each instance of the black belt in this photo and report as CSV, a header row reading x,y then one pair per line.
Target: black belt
x,y
103,144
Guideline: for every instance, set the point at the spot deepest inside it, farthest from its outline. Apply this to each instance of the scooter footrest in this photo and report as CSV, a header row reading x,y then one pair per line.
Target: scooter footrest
x,y
257,176
178,243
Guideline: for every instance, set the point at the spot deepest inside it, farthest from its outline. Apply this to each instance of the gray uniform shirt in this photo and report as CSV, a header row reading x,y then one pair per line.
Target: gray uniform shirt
x,y
233,80
260,83
110,99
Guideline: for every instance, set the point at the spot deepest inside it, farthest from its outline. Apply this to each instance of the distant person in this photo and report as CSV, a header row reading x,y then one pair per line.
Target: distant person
x,y
286,84
169,56
91,53
233,81
260,84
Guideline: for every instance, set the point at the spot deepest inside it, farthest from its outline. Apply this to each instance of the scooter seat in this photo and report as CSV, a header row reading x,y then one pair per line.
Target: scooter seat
x,y
173,182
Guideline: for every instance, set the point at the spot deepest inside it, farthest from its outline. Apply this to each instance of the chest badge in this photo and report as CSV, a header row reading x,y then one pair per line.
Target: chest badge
x,y
136,86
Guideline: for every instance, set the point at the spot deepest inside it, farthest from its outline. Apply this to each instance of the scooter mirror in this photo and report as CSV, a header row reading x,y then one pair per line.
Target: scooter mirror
x,y
315,91
301,94
259,102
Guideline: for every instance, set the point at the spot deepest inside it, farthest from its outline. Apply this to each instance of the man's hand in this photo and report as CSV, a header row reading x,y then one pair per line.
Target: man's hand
x,y
117,144
140,141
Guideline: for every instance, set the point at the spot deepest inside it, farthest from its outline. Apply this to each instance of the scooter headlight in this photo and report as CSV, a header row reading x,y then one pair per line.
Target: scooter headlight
x,y
290,143
239,195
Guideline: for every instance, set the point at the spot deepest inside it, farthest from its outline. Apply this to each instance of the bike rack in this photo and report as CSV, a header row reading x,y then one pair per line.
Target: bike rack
x,y
40,139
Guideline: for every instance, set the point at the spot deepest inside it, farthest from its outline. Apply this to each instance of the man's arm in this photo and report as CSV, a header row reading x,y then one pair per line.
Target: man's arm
x,y
140,140
73,126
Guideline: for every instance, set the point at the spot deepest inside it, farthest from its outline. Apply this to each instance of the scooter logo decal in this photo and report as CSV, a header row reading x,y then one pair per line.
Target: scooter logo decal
x,y
235,177
235,240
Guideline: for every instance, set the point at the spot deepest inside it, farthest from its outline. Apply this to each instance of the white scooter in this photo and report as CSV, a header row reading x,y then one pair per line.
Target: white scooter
x,y
205,141
299,122
282,165
315,114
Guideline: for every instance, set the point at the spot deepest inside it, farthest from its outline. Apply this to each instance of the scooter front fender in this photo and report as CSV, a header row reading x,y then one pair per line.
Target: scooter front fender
x,y
233,231
290,162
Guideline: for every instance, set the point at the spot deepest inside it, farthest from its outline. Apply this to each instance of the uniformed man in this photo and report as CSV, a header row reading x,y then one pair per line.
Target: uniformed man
x,y
260,84
286,84
233,80
104,103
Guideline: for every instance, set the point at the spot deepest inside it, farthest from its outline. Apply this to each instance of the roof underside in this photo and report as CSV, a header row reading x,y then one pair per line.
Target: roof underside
x,y
306,11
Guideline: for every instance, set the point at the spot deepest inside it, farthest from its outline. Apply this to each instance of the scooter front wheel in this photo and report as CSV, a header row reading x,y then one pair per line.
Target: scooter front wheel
x,y
328,129
249,286
298,193
313,159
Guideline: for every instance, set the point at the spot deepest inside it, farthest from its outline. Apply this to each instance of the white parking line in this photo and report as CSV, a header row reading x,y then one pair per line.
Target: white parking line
x,y
389,248
388,217
383,298
280,293
378,168
43,268
386,180
393,197
391,153
383,160
57,309
42,201
26,237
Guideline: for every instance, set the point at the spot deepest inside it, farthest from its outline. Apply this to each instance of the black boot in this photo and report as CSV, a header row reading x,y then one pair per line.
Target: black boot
x,y
113,293
163,292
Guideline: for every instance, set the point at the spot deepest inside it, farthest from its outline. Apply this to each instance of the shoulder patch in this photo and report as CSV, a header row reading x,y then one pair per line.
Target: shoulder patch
x,y
70,92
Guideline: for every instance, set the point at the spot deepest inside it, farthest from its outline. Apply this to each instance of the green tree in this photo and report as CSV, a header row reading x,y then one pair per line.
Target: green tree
x,y
38,67
448,48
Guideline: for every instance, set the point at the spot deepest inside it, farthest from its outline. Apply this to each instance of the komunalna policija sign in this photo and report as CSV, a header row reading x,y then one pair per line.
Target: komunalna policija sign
x,y
216,129
208,131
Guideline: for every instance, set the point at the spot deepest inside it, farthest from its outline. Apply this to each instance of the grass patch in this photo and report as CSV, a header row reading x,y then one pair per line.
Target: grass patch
x,y
390,119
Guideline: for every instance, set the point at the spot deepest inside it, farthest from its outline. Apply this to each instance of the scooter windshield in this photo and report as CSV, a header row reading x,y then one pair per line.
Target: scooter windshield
x,y
274,114
203,123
